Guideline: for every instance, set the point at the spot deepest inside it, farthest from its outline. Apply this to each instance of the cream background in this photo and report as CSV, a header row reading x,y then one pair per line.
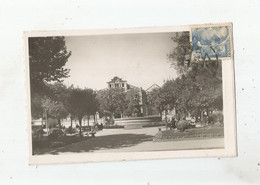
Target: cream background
x,y
18,16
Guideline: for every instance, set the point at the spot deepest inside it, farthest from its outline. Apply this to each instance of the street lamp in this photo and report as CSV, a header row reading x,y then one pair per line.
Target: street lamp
x,y
46,121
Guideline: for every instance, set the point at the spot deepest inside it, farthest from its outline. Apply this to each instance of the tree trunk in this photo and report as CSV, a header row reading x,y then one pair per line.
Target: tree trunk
x,y
59,123
201,116
71,121
80,124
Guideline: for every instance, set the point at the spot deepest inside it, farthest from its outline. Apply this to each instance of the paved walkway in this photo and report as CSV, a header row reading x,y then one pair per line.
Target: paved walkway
x,y
136,140
146,130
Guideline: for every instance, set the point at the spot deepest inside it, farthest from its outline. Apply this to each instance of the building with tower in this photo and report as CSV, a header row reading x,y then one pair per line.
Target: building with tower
x,y
145,109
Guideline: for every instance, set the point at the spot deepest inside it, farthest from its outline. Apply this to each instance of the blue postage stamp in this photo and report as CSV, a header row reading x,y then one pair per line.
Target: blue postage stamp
x,y
213,42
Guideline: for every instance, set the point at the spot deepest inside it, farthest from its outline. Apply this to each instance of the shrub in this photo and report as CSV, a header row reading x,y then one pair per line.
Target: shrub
x,y
37,133
55,134
216,117
71,130
182,125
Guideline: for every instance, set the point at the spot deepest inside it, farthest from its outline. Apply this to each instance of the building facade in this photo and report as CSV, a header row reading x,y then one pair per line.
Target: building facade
x,y
117,82
145,109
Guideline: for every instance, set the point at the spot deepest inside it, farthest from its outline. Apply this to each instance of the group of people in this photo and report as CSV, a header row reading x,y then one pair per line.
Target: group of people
x,y
99,126
172,121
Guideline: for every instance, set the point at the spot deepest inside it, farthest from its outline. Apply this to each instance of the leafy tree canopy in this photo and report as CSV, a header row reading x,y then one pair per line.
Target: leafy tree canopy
x,y
196,91
133,101
112,100
47,57
181,54
57,95
82,102
55,109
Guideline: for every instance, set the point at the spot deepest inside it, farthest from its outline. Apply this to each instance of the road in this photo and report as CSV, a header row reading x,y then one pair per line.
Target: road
x,y
136,140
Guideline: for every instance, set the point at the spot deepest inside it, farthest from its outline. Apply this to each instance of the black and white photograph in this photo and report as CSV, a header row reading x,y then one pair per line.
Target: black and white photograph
x,y
131,92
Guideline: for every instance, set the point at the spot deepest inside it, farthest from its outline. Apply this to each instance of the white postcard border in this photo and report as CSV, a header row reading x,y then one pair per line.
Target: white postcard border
x,y
228,107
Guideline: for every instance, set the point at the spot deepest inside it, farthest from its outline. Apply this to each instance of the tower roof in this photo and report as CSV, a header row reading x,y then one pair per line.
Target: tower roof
x,y
116,79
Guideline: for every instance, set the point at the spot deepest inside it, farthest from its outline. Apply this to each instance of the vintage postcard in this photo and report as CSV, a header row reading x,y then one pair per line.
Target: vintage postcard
x,y
130,94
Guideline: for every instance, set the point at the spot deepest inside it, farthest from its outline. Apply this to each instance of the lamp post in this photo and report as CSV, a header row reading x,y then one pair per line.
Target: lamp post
x,y
46,121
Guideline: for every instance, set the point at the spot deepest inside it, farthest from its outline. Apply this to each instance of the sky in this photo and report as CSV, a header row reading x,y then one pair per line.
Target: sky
x,y
140,59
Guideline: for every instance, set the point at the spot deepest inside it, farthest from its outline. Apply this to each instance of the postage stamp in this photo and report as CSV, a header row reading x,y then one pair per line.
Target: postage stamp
x,y
213,41
130,94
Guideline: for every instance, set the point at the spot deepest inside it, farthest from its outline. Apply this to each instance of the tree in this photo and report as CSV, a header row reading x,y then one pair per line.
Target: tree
x,y
56,101
82,102
36,106
163,98
207,92
157,101
133,104
55,109
47,57
57,95
112,101
184,95
190,94
58,91
68,104
199,85
181,55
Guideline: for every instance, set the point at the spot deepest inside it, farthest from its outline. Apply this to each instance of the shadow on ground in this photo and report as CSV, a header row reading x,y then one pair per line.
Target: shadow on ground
x,y
103,142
